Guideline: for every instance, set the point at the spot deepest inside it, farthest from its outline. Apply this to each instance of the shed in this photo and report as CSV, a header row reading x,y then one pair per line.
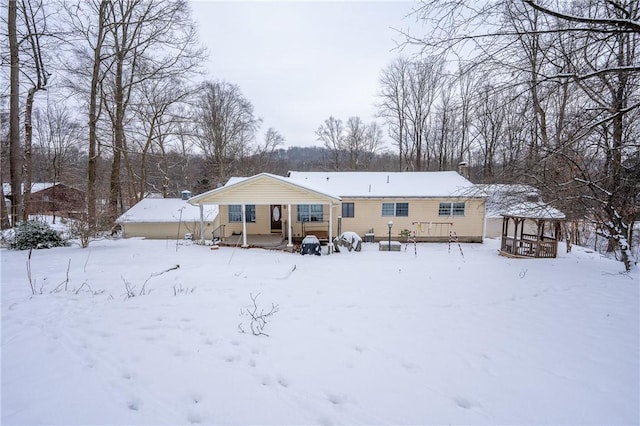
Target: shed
x,y
167,218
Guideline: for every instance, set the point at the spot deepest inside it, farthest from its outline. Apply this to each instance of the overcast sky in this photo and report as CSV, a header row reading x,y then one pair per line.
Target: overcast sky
x,y
299,62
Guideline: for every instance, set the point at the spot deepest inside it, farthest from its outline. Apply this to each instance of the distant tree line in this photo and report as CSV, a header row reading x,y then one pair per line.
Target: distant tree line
x,y
528,91
110,96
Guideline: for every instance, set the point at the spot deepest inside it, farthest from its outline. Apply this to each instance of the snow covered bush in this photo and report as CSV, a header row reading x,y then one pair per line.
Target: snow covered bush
x,y
32,234
79,228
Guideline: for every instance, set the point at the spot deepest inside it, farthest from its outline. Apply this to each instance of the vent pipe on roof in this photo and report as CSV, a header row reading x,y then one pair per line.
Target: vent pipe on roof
x,y
369,187
387,178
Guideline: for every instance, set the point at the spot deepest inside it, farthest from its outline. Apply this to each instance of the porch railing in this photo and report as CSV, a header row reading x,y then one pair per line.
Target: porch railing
x,y
317,228
218,233
529,246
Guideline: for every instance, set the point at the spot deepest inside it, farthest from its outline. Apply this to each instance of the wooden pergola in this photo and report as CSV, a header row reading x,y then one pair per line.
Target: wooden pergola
x,y
531,231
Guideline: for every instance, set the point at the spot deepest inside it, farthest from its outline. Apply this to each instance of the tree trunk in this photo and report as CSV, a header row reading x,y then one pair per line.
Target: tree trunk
x,y
15,147
28,163
4,214
93,122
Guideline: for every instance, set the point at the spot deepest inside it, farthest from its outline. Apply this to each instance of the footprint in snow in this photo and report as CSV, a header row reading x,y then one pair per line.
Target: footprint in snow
x,y
134,404
325,421
336,399
194,418
195,397
409,365
266,380
231,358
283,381
463,402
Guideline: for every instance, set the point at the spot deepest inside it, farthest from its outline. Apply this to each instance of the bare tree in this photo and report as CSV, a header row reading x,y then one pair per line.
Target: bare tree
x,y
15,145
57,137
273,141
425,79
373,144
409,91
226,124
35,27
393,106
577,64
150,41
354,142
85,26
332,134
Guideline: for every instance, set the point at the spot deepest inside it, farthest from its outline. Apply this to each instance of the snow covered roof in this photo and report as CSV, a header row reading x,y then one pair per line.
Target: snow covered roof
x,y
262,177
501,197
166,210
533,210
35,187
387,184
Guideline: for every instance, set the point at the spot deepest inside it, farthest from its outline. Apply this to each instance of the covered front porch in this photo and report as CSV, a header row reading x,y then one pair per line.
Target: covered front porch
x,y
269,211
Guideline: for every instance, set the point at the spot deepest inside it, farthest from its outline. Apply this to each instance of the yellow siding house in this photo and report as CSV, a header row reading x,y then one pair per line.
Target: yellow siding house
x,y
430,206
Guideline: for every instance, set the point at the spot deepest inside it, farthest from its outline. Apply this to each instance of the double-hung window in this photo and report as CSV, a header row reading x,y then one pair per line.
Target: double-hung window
x,y
310,213
235,213
395,209
451,209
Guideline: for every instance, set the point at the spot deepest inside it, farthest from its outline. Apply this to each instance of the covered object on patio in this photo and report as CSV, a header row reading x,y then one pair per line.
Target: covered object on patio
x,y
531,229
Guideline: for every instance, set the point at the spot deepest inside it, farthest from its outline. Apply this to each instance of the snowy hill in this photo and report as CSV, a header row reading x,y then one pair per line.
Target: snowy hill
x,y
369,338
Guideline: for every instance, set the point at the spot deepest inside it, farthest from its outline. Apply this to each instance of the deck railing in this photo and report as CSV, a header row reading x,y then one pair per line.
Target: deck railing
x,y
529,246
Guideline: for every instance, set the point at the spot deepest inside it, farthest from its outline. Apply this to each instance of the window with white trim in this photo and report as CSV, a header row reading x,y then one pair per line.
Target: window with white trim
x,y
310,213
395,209
235,213
451,209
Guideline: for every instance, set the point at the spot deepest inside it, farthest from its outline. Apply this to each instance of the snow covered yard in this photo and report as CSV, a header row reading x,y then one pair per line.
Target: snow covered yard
x,y
360,338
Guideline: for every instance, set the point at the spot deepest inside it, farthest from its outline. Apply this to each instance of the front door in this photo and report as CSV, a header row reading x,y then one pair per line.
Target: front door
x,y
276,218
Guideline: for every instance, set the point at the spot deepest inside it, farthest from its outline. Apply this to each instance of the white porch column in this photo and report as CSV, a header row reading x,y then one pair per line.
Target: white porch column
x,y
290,244
330,244
244,227
201,223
